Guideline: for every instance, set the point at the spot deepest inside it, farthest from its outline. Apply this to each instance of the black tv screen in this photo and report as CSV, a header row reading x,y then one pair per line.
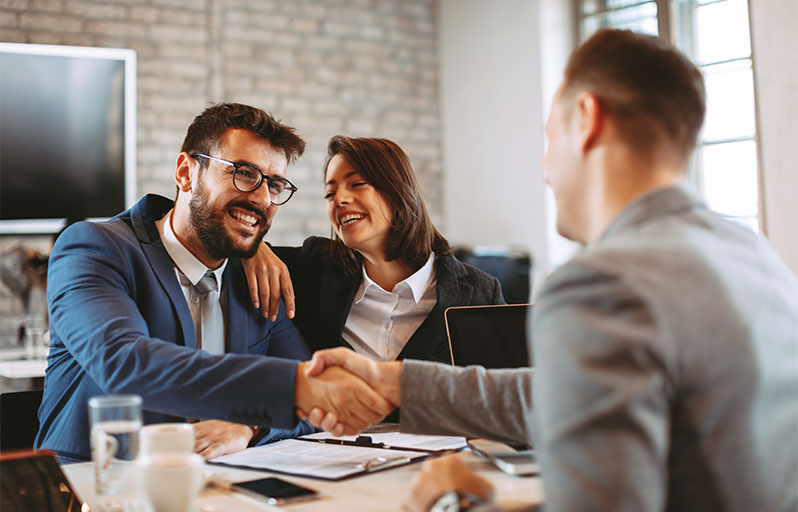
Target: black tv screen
x,y
67,135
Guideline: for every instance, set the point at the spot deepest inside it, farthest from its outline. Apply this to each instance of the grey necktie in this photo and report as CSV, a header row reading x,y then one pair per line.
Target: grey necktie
x,y
210,327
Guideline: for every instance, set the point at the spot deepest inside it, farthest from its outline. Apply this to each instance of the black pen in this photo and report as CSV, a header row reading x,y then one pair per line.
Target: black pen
x,y
359,441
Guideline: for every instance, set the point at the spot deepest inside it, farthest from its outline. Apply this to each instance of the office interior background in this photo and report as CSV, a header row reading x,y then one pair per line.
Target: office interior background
x,y
464,86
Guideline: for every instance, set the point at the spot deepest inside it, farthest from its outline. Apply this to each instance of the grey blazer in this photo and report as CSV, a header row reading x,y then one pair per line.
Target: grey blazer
x,y
472,401
667,371
667,367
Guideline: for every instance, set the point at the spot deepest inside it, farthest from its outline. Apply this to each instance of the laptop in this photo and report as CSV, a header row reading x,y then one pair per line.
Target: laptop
x,y
492,336
34,481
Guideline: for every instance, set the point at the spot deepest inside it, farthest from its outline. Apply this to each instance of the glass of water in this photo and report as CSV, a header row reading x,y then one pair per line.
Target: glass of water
x,y
115,422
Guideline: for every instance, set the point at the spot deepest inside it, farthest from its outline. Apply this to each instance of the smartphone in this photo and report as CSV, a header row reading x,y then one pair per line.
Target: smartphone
x,y
34,481
510,461
275,491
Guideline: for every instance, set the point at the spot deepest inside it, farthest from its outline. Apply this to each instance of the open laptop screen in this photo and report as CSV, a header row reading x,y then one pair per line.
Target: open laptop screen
x,y
490,336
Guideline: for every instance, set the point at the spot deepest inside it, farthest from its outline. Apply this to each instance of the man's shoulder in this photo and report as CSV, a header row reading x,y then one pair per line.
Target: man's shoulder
x,y
115,231
636,266
123,225
659,246
676,267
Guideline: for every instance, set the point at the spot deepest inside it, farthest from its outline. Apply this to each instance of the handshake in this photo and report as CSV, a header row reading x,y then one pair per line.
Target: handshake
x,y
343,392
337,390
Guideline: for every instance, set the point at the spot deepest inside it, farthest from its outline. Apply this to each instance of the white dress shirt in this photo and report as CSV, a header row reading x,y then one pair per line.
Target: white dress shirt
x,y
380,322
192,268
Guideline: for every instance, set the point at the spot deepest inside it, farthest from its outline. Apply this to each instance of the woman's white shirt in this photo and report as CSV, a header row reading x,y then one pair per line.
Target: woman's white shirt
x,y
380,322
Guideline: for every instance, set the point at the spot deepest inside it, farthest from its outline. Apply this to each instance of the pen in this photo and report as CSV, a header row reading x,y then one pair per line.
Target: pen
x,y
359,441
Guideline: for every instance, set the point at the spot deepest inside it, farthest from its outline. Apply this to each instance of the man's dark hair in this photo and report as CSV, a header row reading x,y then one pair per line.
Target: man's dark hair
x,y
207,129
383,164
652,91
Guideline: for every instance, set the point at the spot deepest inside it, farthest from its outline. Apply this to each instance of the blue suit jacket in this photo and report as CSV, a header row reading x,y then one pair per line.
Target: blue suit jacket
x,y
119,323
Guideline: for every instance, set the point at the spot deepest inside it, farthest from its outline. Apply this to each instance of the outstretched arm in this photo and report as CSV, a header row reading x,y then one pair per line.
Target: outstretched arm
x,y
441,399
98,302
332,389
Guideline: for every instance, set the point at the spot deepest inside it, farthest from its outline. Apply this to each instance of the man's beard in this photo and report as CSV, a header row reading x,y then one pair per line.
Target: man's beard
x,y
209,226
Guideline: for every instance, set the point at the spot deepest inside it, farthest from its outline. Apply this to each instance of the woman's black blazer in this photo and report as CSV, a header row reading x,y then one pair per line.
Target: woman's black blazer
x,y
324,295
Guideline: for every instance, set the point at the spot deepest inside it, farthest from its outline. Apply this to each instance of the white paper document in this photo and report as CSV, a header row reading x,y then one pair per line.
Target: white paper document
x,y
320,460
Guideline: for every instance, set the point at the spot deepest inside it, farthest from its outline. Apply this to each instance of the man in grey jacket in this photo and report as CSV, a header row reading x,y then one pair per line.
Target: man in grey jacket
x,y
667,350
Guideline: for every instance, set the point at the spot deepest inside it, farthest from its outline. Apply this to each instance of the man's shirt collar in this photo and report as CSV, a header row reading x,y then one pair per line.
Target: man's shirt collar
x,y
186,262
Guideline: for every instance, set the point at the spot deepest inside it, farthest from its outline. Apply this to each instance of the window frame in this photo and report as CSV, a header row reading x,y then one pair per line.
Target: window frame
x,y
681,33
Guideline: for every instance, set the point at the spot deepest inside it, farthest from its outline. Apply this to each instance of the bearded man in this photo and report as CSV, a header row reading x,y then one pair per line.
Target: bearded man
x,y
154,302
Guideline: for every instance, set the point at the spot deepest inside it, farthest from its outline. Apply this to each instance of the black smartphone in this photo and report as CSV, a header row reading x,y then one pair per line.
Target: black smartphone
x,y
33,481
275,491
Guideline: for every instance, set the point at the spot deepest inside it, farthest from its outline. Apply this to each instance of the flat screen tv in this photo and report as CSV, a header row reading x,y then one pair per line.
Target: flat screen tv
x,y
67,135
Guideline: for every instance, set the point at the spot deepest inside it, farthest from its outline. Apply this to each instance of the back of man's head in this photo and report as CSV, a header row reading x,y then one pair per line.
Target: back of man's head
x,y
653,93
207,129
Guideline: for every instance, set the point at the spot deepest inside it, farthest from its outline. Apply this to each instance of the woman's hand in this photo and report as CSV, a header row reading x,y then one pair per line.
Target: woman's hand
x,y
268,278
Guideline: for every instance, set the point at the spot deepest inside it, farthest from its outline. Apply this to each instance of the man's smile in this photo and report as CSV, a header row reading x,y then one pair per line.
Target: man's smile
x,y
246,217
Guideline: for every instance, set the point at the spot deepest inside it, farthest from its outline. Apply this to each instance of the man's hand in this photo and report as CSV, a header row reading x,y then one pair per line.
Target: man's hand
x,y
213,438
267,278
450,473
355,404
384,377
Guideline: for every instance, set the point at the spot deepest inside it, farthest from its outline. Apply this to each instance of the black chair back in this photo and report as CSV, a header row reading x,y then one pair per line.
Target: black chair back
x,y
511,267
19,419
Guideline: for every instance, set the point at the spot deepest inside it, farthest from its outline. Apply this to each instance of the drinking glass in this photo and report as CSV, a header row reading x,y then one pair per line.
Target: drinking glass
x,y
115,422
34,341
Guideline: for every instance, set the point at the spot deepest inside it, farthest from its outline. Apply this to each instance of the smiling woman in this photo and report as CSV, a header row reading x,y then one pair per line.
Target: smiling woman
x,y
381,284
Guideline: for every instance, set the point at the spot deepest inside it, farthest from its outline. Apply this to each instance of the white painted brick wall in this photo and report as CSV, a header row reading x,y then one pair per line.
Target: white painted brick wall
x,y
359,68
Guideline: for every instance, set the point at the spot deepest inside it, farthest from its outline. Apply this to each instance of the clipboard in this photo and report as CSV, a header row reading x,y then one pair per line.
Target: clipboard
x,y
324,461
393,441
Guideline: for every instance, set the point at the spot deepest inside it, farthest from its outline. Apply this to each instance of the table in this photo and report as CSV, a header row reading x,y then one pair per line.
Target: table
x,y
18,373
381,491
23,369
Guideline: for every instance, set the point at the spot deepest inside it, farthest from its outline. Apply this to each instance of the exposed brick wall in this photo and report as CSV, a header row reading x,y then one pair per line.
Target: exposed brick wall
x,y
356,67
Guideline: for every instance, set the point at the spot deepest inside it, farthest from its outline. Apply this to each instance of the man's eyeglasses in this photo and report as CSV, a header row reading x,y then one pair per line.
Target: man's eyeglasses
x,y
247,178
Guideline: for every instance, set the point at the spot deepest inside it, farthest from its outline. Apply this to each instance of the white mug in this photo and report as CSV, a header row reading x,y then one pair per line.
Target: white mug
x,y
172,481
164,438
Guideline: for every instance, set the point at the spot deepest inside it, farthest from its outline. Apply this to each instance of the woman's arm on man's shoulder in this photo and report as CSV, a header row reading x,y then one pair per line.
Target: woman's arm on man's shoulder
x,y
269,279
269,274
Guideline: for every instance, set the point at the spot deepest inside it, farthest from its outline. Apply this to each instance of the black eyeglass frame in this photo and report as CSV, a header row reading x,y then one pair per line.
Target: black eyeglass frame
x,y
269,179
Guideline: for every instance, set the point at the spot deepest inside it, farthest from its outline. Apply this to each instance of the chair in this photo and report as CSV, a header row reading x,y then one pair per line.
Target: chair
x,y
19,419
512,267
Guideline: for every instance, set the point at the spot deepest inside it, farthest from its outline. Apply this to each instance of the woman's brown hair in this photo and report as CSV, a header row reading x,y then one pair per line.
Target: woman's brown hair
x,y
383,164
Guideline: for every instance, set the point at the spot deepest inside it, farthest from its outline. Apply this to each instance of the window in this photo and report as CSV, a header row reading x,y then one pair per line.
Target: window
x,y
715,34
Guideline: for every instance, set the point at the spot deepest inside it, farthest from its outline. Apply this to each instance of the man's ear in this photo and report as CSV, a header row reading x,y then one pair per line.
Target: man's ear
x,y
183,172
589,117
